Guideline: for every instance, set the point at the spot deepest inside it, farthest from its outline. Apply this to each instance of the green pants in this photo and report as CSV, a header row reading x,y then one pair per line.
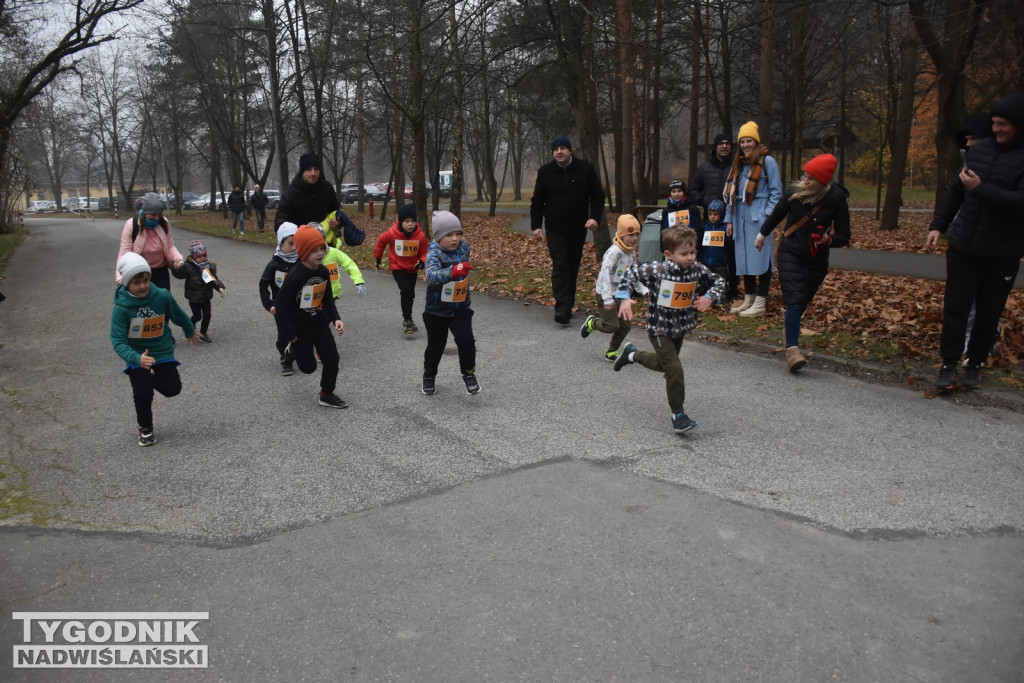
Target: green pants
x,y
609,322
665,359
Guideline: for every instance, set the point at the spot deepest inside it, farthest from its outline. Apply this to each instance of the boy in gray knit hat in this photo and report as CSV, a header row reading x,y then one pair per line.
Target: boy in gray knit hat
x,y
448,304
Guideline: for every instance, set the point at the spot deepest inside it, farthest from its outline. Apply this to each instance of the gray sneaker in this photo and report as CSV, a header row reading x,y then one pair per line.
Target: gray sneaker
x,y
472,386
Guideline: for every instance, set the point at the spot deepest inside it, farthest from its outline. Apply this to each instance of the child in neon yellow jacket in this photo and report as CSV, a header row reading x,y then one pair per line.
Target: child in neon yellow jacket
x,y
335,260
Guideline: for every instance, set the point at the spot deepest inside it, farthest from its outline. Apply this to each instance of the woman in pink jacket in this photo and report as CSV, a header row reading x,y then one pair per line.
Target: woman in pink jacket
x,y
149,235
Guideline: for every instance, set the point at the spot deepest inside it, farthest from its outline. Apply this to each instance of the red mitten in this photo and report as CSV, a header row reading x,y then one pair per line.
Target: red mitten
x,y
461,270
822,240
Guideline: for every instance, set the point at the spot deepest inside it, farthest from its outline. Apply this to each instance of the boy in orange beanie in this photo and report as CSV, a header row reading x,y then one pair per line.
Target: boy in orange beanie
x,y
617,260
306,311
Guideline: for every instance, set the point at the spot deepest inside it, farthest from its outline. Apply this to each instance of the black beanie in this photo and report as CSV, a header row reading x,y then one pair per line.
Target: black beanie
x,y
308,161
1011,108
406,211
560,141
722,137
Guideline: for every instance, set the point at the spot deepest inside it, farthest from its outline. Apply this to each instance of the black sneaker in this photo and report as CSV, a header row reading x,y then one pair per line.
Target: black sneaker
x,y
611,356
331,401
563,318
286,367
623,359
206,339
146,437
428,385
972,376
409,327
682,423
947,378
472,386
588,326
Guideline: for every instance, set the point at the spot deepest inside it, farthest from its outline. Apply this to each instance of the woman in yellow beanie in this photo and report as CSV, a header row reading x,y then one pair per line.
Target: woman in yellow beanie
x,y
753,189
814,207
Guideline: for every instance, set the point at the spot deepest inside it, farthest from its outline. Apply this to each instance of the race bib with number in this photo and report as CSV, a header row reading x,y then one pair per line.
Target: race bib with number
x,y
713,238
279,276
312,296
679,219
332,268
146,328
455,292
617,277
208,276
407,247
676,294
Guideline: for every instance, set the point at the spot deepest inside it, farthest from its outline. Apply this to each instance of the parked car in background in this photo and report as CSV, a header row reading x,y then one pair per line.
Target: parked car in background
x,y
375,191
104,203
273,198
42,206
172,199
348,193
88,204
409,193
200,202
70,204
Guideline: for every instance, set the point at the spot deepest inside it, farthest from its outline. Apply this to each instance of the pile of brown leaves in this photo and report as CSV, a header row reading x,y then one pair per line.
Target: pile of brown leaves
x,y
910,236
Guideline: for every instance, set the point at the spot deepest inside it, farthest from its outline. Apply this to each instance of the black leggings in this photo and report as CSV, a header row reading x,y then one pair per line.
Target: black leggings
x,y
407,286
201,311
461,326
763,283
321,338
162,377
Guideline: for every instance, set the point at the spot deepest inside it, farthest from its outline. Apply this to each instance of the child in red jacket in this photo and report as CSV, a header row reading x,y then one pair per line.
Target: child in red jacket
x,y
407,250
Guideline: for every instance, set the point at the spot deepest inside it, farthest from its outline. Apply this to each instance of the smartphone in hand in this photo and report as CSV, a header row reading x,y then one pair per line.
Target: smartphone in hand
x,y
963,157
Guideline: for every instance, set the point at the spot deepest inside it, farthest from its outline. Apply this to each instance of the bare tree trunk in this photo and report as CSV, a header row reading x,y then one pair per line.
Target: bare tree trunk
x,y
798,54
455,201
627,80
949,52
695,90
899,138
764,110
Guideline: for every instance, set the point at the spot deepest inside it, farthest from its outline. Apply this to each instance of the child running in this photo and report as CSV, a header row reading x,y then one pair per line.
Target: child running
x,y
306,313
678,288
200,276
273,277
407,251
142,338
619,257
448,305
335,259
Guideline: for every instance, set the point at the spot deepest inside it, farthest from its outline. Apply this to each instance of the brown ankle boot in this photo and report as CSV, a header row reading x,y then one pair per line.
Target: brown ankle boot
x,y
794,359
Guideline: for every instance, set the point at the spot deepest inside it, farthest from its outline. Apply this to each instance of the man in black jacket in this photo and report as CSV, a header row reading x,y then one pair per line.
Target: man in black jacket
x,y
258,202
236,205
706,186
983,211
309,198
567,201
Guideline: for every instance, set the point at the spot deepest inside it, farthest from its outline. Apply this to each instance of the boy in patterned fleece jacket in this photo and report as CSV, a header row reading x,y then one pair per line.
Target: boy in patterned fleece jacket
x,y
678,288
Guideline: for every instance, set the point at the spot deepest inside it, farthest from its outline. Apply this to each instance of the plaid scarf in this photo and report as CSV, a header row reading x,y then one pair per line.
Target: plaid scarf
x,y
756,163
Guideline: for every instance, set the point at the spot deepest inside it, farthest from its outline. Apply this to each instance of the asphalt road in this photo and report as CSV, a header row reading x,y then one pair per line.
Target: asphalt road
x,y
551,527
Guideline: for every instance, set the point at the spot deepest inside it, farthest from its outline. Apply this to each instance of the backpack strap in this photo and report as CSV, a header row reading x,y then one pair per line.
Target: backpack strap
x,y
135,228
800,223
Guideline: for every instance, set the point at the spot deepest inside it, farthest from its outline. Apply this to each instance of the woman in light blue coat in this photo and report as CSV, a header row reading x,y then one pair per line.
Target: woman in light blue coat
x,y
753,189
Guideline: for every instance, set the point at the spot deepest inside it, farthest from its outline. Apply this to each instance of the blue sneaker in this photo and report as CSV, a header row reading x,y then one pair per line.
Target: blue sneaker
x,y
623,359
682,423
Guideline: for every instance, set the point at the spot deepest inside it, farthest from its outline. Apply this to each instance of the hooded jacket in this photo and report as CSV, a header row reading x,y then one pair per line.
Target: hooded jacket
x,y
302,203
442,295
140,324
414,248
236,201
800,273
988,222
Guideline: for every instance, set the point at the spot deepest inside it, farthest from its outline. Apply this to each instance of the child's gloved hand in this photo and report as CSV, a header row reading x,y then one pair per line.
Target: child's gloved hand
x,y
461,270
361,290
420,265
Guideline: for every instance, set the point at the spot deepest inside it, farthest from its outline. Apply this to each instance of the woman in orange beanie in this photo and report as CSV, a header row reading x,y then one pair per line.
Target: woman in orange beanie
x,y
814,207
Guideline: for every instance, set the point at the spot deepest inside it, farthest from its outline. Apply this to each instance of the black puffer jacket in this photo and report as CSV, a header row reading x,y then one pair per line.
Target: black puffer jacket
x,y
565,198
236,201
302,203
800,273
709,180
987,222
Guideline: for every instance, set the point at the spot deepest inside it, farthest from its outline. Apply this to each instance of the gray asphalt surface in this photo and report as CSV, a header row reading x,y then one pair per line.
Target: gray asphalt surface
x,y
550,528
